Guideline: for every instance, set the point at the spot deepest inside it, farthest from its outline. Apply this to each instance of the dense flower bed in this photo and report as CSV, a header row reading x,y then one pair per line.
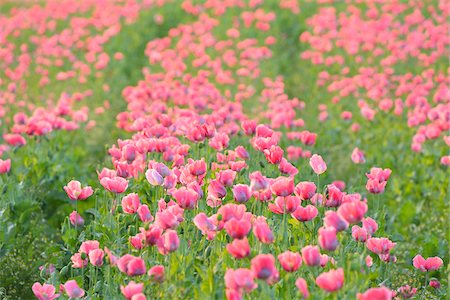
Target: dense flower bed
x,y
220,184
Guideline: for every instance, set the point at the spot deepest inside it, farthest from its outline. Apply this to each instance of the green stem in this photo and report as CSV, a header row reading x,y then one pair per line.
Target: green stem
x,y
284,224
76,225
424,286
318,184
91,279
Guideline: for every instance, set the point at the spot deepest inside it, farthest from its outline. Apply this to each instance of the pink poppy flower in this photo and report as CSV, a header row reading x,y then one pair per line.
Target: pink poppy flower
x,y
327,238
380,245
131,265
333,219
76,219
96,257
131,289
115,184
301,285
282,186
240,280
381,293
305,190
169,242
311,255
73,290
429,264
241,193
153,177
239,248
263,267
317,164
130,203
238,229
156,273
5,166
358,156
75,192
262,230
353,211
187,198
331,281
305,214
44,291
144,213
290,261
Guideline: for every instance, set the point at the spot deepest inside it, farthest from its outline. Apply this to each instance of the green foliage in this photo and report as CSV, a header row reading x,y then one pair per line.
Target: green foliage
x,y
24,247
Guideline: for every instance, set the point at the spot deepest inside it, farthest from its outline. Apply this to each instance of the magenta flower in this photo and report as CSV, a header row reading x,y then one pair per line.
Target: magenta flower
x,y
429,264
290,261
331,281
44,291
75,192
131,265
73,290
317,164
115,184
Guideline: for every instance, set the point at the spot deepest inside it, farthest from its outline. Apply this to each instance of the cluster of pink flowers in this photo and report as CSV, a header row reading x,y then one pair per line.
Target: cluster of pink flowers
x,y
377,42
197,162
75,50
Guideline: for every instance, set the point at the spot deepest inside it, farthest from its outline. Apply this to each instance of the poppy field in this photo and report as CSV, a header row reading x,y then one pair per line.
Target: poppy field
x,y
224,149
